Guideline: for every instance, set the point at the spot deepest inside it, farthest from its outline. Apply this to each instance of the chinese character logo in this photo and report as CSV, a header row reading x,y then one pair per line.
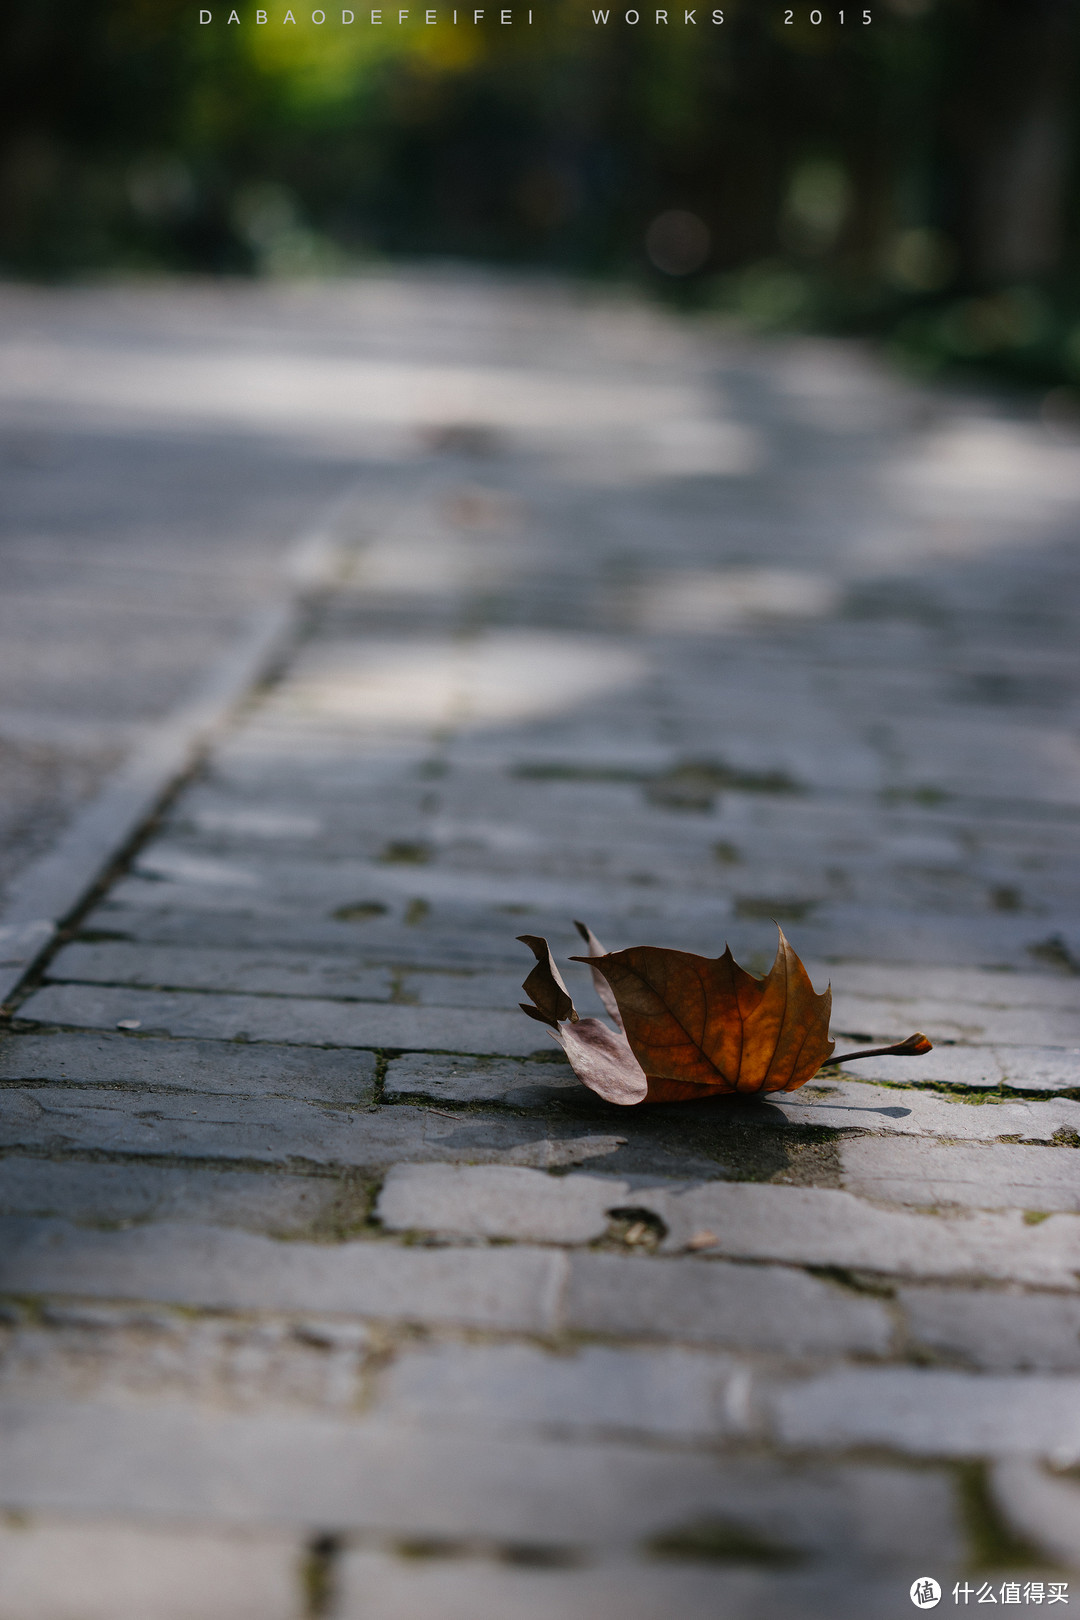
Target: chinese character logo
x,y
925,1592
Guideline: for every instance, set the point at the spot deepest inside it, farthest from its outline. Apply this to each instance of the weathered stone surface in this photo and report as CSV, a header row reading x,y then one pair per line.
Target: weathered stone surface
x,y
373,1474
998,1331
86,1349
819,1227
297,1021
844,1104
280,1131
376,1586
944,1019
801,1225
516,1289
708,1302
1042,1505
175,967
479,1080
930,1413
342,1078
905,985
1022,1068
493,1201
336,975
103,1571
994,1176
108,1193
678,1394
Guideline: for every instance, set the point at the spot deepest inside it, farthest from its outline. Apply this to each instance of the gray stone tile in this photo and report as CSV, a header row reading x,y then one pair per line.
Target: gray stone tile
x,y
816,1226
479,1080
345,1079
279,1018
998,1331
96,1193
498,1201
514,1289
845,1104
177,967
904,986
1042,1505
375,1475
710,1302
281,1131
104,1571
930,1413
943,1020
376,1586
993,1176
666,1392
1023,1068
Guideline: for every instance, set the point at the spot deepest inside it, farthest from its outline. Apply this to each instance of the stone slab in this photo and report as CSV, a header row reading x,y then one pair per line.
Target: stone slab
x,y
513,1289
103,1194
281,1131
479,1080
1021,1068
993,1176
905,985
333,975
847,1104
929,1413
377,1476
345,1079
497,1201
710,1302
108,1571
943,1019
808,1226
296,1021
597,1389
994,1330
377,1586
1044,1506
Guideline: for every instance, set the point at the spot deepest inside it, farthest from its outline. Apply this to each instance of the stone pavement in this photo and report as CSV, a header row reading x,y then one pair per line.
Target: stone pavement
x,y
326,1289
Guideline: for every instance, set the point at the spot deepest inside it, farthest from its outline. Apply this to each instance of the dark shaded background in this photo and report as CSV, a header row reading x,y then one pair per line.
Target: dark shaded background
x,y
915,177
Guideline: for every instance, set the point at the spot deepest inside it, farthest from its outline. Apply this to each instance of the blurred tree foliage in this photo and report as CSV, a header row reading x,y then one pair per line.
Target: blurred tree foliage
x,y
916,175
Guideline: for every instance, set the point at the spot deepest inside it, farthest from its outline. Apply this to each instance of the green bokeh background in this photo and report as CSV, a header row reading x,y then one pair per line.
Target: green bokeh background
x,y
916,177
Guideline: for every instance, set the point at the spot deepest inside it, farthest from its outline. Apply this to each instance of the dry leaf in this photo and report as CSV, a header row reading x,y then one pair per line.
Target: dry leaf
x,y
690,1026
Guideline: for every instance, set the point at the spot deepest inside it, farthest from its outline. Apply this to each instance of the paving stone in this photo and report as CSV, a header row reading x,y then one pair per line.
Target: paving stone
x,y
280,1018
815,1226
376,1475
103,1571
807,1226
479,1080
100,1194
1042,1505
710,1302
1022,1068
995,1330
672,1393
178,967
345,1079
943,1019
78,1350
904,985
280,1131
376,1586
497,1201
183,968
514,1289
995,1176
845,1104
930,1413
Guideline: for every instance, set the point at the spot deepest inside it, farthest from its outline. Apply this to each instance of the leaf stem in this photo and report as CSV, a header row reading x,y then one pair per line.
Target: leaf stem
x,y
914,1046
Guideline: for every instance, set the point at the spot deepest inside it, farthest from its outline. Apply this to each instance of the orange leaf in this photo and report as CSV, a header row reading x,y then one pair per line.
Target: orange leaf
x,y
707,1023
690,1026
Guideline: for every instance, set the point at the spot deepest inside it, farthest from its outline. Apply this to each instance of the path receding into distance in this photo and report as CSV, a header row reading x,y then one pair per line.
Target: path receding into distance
x,y
325,1289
